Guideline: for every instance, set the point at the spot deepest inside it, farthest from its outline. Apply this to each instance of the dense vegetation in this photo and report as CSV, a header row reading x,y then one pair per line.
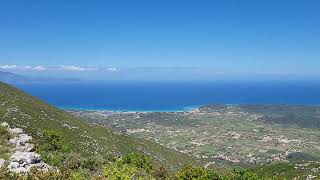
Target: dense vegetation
x,y
131,166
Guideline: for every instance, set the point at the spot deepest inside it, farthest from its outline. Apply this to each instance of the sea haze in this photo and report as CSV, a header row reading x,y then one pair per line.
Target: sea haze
x,y
170,96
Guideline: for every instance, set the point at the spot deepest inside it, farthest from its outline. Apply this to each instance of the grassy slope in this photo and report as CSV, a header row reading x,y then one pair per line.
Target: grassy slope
x,y
33,115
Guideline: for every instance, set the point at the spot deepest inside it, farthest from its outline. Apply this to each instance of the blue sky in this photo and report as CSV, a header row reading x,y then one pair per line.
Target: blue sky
x,y
167,39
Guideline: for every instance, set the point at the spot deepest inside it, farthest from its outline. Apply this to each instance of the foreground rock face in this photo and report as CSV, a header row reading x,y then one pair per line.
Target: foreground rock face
x,y
22,159
22,162
20,141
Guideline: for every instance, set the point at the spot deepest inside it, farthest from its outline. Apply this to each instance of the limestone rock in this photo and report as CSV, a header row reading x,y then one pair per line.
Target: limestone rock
x,y
4,124
25,148
15,131
14,165
21,142
22,160
2,162
25,157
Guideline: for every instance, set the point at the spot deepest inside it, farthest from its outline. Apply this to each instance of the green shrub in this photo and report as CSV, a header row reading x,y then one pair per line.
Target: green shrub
x,y
51,147
4,134
76,175
51,141
137,160
240,174
197,173
5,147
54,158
73,161
131,166
34,174
124,172
94,163
162,173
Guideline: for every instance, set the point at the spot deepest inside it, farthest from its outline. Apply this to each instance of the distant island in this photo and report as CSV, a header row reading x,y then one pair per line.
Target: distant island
x,y
13,78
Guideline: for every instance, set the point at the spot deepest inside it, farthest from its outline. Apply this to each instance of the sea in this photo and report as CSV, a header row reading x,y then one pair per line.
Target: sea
x,y
170,96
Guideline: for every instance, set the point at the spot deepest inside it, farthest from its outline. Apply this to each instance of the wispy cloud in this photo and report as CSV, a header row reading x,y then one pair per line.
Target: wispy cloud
x,y
40,68
14,67
112,69
9,67
160,68
28,67
76,68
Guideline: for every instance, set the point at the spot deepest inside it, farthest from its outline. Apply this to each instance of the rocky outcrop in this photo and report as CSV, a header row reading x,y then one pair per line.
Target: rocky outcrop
x,y
20,140
23,157
22,162
2,162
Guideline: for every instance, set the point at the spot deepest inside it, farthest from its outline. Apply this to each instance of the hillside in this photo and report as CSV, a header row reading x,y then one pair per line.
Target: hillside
x,y
35,117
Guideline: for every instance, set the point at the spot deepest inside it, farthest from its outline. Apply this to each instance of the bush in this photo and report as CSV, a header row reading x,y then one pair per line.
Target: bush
x,y
73,161
137,160
5,147
34,174
124,172
240,174
54,158
51,147
4,134
162,173
76,175
200,173
196,173
94,163
131,166
51,141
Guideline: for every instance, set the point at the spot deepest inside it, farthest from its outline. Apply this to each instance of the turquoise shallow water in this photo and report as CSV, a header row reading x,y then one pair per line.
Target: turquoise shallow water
x,y
170,96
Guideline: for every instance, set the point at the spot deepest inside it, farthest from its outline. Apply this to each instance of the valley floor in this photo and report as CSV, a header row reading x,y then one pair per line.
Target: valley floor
x,y
232,134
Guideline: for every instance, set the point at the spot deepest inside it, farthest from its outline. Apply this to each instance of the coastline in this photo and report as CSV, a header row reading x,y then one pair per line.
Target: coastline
x,y
193,108
184,109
